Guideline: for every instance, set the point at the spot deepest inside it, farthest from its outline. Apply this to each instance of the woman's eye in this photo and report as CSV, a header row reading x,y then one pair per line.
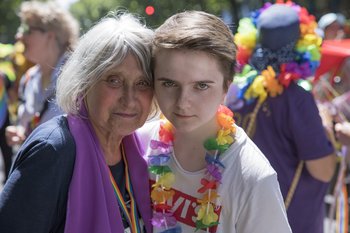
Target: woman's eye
x,y
143,84
202,86
114,81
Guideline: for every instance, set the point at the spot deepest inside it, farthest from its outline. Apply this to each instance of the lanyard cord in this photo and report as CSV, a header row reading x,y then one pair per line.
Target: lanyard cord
x,y
132,216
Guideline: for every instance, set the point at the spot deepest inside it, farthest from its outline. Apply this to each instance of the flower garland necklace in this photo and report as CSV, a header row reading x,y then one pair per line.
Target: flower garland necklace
x,y
255,85
259,85
162,191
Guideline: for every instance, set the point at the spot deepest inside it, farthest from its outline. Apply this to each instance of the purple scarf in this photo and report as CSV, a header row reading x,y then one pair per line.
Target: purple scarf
x,y
92,205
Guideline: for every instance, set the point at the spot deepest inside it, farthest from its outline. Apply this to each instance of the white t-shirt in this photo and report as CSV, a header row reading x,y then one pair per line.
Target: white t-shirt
x,y
250,199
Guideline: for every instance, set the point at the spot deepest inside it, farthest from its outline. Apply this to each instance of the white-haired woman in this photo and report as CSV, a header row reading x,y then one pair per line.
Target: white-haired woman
x,y
83,172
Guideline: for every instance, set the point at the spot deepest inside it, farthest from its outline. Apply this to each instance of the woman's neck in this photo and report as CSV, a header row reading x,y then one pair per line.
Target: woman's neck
x,y
112,157
48,65
110,144
46,72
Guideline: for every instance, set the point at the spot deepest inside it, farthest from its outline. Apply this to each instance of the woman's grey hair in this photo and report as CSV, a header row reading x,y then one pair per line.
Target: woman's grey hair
x,y
105,45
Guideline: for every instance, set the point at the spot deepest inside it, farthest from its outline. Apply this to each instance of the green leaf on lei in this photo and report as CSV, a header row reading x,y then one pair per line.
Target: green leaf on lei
x,y
158,170
201,225
211,144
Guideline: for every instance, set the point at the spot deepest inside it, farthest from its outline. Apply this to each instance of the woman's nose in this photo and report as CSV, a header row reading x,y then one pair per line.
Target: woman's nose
x,y
128,95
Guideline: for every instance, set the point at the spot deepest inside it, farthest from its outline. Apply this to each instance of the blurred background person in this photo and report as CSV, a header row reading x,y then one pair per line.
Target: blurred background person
x,y
7,79
331,89
332,77
277,49
331,26
48,33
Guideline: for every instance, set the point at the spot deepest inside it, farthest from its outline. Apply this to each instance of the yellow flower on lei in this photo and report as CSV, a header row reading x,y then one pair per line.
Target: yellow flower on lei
x,y
271,83
207,215
309,40
209,198
159,195
256,89
247,34
165,180
224,137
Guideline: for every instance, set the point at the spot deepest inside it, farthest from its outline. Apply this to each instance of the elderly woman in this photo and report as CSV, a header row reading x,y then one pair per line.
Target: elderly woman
x,y
83,172
48,33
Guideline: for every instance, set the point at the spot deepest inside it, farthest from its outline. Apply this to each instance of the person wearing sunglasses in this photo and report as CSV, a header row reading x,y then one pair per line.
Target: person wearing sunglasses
x,y
48,33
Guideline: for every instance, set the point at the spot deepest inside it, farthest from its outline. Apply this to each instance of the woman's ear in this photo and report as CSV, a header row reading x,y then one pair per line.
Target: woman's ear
x,y
52,36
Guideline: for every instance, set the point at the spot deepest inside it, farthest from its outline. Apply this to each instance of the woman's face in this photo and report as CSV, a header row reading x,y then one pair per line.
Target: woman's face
x,y
35,40
334,31
188,87
121,100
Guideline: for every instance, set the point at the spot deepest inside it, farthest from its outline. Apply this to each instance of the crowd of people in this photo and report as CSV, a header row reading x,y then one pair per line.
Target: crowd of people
x,y
185,128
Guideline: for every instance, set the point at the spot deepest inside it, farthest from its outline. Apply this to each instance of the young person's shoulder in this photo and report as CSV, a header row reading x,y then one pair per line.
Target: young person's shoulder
x,y
245,156
148,132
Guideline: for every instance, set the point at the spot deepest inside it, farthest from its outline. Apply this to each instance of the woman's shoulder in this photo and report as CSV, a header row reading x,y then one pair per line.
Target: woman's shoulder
x,y
54,131
50,138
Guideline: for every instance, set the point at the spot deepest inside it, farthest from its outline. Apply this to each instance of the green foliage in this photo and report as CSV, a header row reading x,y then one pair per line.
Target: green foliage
x,y
9,20
164,9
89,12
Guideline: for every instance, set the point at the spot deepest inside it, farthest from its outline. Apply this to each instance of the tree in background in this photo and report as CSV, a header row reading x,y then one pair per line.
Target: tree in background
x,y
89,12
9,20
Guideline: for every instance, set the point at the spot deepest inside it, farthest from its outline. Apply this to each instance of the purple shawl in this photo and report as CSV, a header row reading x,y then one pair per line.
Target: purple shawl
x,y
92,205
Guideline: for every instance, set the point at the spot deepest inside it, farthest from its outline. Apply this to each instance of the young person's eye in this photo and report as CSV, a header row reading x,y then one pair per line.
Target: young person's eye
x,y
168,84
202,86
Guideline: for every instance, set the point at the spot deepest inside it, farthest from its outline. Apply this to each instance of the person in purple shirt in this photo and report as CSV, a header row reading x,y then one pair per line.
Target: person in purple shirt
x,y
84,171
278,50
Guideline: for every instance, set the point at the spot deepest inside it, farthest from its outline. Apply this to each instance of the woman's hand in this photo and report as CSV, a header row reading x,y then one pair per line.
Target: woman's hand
x,y
342,133
14,135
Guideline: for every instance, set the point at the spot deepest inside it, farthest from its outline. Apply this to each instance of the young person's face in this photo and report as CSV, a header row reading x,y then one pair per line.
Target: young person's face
x,y
188,87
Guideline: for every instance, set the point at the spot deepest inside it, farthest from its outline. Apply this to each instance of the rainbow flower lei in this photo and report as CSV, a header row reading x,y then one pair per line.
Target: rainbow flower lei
x,y
254,84
162,191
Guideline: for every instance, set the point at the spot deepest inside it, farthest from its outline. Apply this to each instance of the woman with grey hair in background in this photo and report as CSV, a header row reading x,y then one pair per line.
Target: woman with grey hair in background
x,y
48,33
83,172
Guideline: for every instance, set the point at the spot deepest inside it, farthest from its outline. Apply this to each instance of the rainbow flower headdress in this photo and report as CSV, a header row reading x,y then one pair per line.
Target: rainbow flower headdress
x,y
277,68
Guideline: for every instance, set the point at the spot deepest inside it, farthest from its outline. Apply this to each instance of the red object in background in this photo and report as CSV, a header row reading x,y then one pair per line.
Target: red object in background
x,y
333,54
149,10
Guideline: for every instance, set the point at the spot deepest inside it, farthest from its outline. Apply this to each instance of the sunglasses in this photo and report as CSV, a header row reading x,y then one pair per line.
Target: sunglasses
x,y
25,29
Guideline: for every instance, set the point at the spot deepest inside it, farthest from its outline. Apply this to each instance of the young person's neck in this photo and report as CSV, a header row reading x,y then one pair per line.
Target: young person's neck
x,y
189,146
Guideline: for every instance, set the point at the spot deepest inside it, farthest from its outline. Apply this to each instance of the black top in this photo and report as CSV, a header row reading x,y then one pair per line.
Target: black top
x,y
34,198
118,172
